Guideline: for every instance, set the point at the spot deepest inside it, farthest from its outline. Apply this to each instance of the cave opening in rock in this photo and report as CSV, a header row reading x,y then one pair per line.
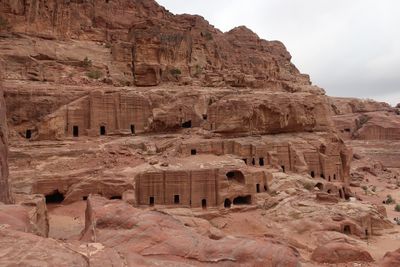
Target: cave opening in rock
x,y
320,186
245,161
236,176
132,129
103,130
283,168
265,188
329,191
312,174
204,203
187,124
227,203
334,177
116,197
151,201
253,161
261,161
340,193
242,200
75,131
28,134
347,230
84,197
258,188
205,117
176,199
366,232
193,152
322,176
55,197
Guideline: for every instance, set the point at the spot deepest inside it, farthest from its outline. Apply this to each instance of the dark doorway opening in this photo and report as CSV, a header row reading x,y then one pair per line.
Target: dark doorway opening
x,y
322,176
102,130
283,168
75,131
334,177
253,162
151,201
132,128
28,134
204,203
329,178
116,197
340,193
235,176
245,161
312,174
242,200
347,230
258,188
227,203
193,152
204,116
187,124
329,191
176,199
261,161
265,188
366,232
55,197
85,197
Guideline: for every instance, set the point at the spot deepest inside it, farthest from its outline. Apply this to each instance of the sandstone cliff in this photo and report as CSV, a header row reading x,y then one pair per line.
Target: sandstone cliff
x,y
137,42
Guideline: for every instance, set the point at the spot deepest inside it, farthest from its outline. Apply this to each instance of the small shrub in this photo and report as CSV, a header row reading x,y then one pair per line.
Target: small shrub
x,y
389,200
4,25
198,70
175,72
94,74
397,208
364,187
207,35
86,63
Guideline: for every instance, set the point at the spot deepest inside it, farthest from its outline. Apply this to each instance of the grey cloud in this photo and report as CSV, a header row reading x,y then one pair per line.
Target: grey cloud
x,y
350,48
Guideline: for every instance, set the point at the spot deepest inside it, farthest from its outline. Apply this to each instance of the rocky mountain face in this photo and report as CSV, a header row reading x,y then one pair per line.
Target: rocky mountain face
x,y
142,138
137,42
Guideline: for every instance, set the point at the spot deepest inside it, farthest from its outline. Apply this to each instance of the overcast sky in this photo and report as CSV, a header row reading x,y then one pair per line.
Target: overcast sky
x,y
349,47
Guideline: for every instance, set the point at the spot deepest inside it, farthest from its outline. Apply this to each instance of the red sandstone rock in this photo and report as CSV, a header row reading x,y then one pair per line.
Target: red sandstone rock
x,y
391,259
153,234
5,194
339,252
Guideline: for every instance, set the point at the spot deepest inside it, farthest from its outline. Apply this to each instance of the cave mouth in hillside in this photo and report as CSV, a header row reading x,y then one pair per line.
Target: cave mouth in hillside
x,y
347,230
55,197
242,200
187,124
116,197
235,176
